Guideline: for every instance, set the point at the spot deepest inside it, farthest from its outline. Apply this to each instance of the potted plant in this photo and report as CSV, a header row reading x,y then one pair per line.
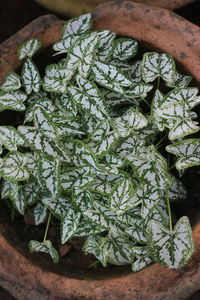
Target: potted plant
x,y
85,157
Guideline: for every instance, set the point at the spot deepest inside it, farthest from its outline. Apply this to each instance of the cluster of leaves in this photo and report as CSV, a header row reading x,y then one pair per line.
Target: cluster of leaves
x,y
87,154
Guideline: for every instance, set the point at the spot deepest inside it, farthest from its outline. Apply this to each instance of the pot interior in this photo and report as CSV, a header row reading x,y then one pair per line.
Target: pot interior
x,y
75,264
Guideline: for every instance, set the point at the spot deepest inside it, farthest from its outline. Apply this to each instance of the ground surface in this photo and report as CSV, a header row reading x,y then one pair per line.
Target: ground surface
x,y
16,14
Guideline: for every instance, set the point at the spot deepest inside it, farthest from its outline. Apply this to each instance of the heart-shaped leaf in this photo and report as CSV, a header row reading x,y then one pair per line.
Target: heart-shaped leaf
x,y
172,249
29,48
125,48
189,152
46,247
69,225
11,82
30,77
12,100
14,167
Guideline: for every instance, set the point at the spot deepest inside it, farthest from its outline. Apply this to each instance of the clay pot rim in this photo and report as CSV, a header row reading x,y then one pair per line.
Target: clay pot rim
x,y
67,287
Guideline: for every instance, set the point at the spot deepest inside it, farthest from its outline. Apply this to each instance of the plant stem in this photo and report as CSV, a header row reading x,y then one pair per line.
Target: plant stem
x,y
172,167
47,227
156,146
169,212
158,82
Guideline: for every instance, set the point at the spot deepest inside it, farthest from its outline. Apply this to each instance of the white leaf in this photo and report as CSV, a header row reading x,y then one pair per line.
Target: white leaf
x,y
189,152
172,249
49,176
110,77
46,247
105,47
77,25
11,82
30,77
10,138
14,167
12,100
29,48
158,65
39,213
76,177
125,48
69,225
58,207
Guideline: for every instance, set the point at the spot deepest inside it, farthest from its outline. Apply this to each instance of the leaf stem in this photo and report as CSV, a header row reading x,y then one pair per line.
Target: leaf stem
x,y
158,82
47,227
158,144
169,212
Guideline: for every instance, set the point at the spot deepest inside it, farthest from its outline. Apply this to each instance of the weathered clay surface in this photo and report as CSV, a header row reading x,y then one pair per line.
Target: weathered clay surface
x,y
77,7
29,279
156,28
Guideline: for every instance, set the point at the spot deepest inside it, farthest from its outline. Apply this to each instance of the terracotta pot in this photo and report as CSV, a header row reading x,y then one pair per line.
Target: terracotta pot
x,y
78,7
29,276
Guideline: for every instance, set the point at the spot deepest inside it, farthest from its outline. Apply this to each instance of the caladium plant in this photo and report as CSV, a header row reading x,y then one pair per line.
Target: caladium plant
x,y
93,154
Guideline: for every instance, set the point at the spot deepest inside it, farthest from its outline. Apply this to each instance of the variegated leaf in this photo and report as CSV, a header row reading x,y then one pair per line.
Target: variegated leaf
x,y
183,127
180,81
105,47
133,225
39,213
130,145
56,78
14,167
120,197
46,247
29,48
149,196
170,248
40,143
87,228
89,99
83,156
100,217
69,225
136,71
82,54
94,245
156,103
125,48
177,191
158,65
118,248
76,178
58,207
9,189
10,138
131,120
44,124
110,77
30,77
44,103
188,152
49,176
77,25
67,104
11,82
12,100
114,98
67,126
104,184
151,168
82,199
142,256
30,192
139,90
186,95
63,45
